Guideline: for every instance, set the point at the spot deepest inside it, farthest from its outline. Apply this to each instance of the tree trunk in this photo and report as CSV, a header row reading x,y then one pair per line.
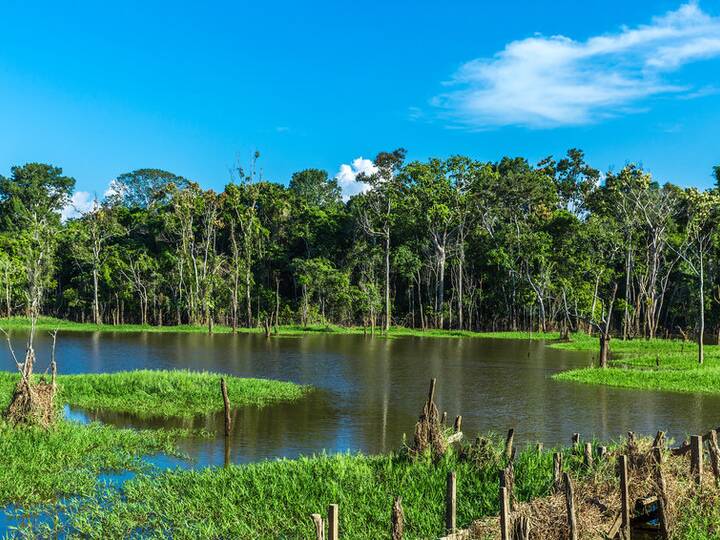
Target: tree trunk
x,y
604,349
387,280
701,330
96,302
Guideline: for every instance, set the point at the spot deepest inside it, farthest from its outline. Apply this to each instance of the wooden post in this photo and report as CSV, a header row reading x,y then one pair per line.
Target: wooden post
x,y
451,503
696,458
458,424
659,440
557,471
319,526
714,455
509,443
444,418
662,499
539,448
570,505
398,519
624,497
431,392
521,529
226,402
507,480
575,440
504,515
602,452
333,522
588,455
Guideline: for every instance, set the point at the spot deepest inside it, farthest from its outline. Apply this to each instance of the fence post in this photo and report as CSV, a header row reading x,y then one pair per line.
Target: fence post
x,y
398,519
451,503
557,471
319,526
333,522
588,455
504,514
575,441
570,505
661,495
509,443
458,424
714,455
624,497
696,458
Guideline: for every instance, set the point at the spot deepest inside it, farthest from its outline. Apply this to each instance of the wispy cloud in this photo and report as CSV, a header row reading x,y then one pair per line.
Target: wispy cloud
x,y
543,82
80,203
347,176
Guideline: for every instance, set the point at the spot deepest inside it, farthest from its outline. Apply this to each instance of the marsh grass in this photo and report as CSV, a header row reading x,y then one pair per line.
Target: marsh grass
x,y
40,465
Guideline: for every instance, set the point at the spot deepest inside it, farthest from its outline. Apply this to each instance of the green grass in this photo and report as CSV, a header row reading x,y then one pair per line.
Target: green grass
x,y
50,323
635,365
144,393
274,499
38,465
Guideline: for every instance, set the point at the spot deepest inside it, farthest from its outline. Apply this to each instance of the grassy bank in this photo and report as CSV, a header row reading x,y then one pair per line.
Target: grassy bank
x,y
50,324
655,364
146,393
274,499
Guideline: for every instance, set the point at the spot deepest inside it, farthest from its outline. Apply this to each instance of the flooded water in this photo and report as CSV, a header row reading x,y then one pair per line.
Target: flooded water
x,y
370,390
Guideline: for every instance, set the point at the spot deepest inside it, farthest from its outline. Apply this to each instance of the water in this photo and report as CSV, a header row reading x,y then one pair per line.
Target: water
x,y
370,390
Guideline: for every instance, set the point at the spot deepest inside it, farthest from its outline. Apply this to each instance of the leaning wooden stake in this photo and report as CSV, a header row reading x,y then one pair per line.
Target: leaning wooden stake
x,y
333,522
319,526
570,505
509,443
557,471
696,458
575,441
458,424
226,402
624,497
398,519
714,455
451,503
504,515
661,493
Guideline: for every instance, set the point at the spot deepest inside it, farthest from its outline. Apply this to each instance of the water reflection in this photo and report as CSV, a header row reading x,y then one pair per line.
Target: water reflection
x,y
371,389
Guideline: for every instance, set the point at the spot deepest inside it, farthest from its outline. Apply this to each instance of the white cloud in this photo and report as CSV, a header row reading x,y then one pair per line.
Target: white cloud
x,y
347,175
553,81
80,203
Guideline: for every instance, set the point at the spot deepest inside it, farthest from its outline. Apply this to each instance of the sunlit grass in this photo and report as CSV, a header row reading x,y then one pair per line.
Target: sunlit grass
x,y
274,499
162,393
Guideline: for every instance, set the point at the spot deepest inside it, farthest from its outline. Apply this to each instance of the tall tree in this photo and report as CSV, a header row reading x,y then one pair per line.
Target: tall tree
x,y
378,211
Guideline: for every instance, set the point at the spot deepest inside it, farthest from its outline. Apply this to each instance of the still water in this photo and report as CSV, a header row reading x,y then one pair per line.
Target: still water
x,y
370,390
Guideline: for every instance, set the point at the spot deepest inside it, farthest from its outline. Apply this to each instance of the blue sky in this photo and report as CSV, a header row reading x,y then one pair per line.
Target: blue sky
x,y
104,88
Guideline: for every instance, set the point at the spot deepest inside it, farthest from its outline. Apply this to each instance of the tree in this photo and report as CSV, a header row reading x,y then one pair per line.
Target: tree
x,y
91,234
35,191
702,211
377,212
144,188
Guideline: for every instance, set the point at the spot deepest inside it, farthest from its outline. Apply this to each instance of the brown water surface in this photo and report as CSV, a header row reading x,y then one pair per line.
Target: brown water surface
x,y
370,390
